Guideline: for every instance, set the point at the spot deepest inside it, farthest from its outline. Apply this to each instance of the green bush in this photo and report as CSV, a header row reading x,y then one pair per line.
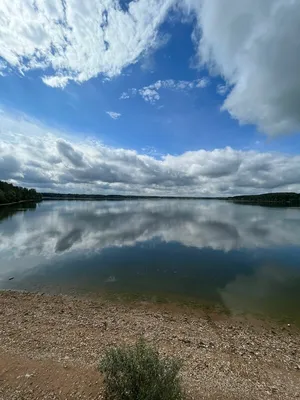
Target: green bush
x,y
138,373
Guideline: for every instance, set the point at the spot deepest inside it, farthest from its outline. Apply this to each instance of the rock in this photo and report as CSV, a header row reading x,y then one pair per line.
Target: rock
x,y
185,340
11,278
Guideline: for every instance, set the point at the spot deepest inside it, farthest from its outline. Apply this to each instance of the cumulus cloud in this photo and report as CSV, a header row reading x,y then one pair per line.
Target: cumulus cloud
x,y
151,93
9,166
33,155
113,115
56,81
77,39
253,45
66,150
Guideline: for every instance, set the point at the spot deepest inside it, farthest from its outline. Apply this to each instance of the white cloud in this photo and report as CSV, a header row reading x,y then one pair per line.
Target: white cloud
x,y
78,39
151,93
202,83
35,156
239,40
56,81
113,115
222,89
124,96
254,45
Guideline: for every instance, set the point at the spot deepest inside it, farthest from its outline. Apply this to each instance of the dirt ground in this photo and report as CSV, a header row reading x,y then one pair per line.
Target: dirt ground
x,y
50,348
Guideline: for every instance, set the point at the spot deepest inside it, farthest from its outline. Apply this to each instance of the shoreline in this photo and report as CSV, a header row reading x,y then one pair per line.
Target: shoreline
x,y
262,203
19,202
51,345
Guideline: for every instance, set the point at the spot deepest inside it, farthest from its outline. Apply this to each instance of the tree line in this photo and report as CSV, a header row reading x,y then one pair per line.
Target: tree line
x,y
288,198
12,194
280,198
78,196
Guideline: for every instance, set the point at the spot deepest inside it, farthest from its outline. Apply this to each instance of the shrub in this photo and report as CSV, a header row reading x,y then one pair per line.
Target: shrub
x,y
138,373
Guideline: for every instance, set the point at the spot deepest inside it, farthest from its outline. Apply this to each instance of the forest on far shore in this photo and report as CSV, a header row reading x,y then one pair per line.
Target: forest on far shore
x,y
12,194
288,198
277,199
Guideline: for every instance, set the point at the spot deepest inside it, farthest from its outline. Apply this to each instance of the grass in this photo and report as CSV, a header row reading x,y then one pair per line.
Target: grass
x,y
138,372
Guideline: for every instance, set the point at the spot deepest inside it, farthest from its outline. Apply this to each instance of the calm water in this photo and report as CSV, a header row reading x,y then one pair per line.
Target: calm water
x,y
246,258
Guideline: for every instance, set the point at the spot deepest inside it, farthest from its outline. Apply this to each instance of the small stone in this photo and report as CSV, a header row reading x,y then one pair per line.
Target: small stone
x,y
186,341
11,278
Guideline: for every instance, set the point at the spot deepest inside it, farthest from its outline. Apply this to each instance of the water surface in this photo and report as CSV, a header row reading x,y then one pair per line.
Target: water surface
x,y
242,257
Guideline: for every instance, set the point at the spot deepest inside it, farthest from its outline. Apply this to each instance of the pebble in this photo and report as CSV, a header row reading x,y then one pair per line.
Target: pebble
x,y
82,332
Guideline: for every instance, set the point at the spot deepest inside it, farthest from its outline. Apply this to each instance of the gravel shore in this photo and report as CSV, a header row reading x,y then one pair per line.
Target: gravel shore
x,y
50,347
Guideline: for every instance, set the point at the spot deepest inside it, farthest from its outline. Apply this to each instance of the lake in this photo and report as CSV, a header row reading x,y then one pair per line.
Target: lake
x,y
241,257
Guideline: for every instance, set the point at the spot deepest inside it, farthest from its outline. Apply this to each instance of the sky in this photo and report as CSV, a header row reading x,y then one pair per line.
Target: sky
x,y
154,97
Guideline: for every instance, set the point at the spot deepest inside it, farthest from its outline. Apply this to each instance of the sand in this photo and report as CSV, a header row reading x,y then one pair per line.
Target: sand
x,y
50,347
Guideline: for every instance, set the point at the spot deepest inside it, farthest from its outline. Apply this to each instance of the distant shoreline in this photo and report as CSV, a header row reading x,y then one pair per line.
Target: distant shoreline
x,y
168,198
271,199
128,198
268,199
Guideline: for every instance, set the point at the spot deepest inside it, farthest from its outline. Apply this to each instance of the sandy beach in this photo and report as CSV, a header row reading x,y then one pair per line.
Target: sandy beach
x,y
50,348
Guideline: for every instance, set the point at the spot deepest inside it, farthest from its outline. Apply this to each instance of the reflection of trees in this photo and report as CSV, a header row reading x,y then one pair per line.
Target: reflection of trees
x,y
7,212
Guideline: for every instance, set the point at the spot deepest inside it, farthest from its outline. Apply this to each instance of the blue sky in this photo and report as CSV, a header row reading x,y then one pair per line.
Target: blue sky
x,y
145,77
